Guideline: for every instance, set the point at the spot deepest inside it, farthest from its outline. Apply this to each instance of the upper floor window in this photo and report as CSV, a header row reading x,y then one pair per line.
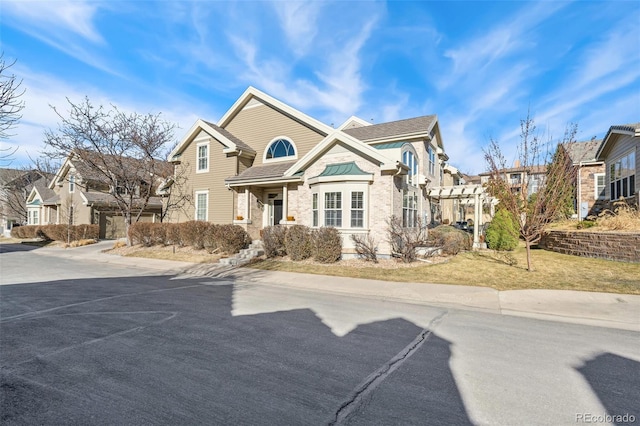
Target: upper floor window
x,y
280,148
203,157
432,160
409,159
72,183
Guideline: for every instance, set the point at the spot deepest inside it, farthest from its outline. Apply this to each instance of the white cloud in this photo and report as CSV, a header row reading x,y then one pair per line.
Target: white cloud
x,y
299,23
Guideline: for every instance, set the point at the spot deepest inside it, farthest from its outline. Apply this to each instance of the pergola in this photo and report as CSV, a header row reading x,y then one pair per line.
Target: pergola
x,y
467,194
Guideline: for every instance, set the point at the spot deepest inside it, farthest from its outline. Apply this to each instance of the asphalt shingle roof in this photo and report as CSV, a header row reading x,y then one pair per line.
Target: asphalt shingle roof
x,y
224,132
264,171
583,151
408,126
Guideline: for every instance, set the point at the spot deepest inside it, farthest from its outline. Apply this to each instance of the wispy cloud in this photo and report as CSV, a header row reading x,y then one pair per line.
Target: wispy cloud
x,y
299,21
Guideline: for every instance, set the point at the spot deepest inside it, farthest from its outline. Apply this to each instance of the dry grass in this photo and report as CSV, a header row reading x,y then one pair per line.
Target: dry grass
x,y
623,218
488,269
79,243
181,254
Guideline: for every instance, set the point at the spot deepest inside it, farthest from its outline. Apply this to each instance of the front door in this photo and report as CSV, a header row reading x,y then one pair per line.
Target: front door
x,y
273,212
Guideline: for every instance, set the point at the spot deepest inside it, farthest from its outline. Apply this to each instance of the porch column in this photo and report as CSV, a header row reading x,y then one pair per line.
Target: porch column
x,y
285,202
247,207
476,221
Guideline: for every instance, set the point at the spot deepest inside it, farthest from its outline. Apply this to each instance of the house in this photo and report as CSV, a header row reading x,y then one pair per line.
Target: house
x,y
80,193
15,186
590,177
620,152
520,178
265,163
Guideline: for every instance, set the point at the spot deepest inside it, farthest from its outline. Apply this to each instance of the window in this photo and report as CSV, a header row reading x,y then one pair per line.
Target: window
x,y
280,148
71,218
72,183
314,208
203,157
432,160
202,202
600,185
622,176
409,159
357,209
409,209
33,217
333,209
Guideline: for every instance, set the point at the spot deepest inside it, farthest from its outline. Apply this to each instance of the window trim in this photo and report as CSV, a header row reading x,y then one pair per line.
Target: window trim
x,y
198,146
315,213
623,178
431,153
287,158
338,208
346,191
357,209
72,183
596,194
414,169
206,205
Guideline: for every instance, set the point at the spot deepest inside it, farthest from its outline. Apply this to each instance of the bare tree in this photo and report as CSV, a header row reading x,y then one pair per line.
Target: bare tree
x,y
10,106
121,150
176,197
533,212
405,241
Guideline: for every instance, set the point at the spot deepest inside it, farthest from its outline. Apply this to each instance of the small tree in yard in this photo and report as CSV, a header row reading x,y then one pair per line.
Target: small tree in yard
x,y
121,149
532,214
406,240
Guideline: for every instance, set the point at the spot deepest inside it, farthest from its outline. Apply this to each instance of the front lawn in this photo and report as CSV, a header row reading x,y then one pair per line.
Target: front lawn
x,y
490,269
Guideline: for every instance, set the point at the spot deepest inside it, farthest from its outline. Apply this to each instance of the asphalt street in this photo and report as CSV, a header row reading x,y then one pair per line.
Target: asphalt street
x,y
97,343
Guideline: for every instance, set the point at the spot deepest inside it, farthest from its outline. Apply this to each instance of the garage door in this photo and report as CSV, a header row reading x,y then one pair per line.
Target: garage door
x,y
112,225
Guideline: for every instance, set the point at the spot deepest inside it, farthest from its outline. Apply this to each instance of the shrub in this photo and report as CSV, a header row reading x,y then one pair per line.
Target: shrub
x,y
173,234
449,239
327,245
366,247
228,238
273,238
405,241
623,218
193,233
298,242
27,232
585,224
502,232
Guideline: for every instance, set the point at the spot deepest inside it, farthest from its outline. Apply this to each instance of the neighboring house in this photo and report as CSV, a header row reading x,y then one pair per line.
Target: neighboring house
x,y
590,178
266,163
79,194
620,151
520,178
38,212
15,186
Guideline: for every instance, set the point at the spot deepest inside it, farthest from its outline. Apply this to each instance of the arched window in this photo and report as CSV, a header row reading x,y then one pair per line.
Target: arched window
x,y
280,148
410,159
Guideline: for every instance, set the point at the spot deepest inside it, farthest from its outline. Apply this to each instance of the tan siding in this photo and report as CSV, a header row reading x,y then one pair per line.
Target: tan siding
x,y
221,200
257,126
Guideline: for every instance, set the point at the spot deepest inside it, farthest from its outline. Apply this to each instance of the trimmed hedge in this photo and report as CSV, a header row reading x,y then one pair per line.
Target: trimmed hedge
x,y
198,234
57,232
328,245
299,242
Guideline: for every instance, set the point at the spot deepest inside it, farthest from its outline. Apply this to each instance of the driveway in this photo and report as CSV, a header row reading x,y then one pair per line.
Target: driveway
x,y
107,344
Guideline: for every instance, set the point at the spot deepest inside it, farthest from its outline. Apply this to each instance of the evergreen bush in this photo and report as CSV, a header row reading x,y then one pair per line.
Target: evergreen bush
x,y
502,232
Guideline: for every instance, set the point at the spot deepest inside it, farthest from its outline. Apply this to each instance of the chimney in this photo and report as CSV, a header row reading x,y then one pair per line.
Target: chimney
x,y
516,164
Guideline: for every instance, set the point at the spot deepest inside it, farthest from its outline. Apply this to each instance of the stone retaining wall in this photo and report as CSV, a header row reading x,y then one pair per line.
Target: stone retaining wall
x,y
620,246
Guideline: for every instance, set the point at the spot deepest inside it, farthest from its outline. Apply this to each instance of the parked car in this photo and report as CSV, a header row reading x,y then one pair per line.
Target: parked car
x,y
462,225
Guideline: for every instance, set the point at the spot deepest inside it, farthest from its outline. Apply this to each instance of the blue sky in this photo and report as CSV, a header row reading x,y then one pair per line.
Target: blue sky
x,y
478,65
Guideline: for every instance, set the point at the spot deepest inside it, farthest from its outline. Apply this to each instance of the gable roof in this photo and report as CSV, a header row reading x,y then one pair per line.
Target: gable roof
x,y
356,145
583,151
401,128
353,122
629,129
231,143
253,93
41,187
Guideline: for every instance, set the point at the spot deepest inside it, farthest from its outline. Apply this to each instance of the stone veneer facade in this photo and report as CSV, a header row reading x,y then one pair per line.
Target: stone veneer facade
x,y
619,246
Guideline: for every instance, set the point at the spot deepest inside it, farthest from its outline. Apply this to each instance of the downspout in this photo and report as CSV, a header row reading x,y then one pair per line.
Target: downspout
x,y
579,193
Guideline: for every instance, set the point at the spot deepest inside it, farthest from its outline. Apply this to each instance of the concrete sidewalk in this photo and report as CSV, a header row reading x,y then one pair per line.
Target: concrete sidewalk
x,y
597,309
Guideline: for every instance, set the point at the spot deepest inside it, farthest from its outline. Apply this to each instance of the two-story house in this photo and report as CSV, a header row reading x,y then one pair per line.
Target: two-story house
x,y
265,163
520,178
80,194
